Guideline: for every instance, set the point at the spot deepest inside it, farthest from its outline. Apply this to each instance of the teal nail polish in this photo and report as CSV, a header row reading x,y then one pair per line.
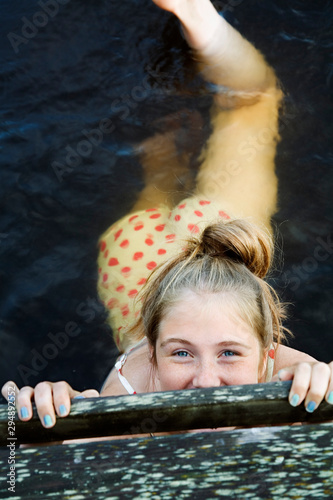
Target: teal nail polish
x,y
24,412
62,410
330,398
79,397
47,421
311,406
294,400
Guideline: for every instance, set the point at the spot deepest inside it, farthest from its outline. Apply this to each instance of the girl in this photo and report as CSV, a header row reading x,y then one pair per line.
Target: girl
x,y
205,317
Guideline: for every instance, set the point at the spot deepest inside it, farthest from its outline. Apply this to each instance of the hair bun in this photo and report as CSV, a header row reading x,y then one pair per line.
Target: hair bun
x,y
240,241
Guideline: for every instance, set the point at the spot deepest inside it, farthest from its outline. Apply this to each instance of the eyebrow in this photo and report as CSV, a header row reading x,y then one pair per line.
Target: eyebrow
x,y
225,343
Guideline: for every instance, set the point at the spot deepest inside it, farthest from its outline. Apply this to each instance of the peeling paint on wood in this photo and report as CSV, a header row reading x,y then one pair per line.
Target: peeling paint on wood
x,y
267,462
245,405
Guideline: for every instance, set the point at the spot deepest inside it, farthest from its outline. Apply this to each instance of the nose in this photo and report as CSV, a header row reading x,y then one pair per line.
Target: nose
x,y
206,376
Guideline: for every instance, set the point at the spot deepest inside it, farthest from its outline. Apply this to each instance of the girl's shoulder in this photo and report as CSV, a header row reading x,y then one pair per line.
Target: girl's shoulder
x,y
137,370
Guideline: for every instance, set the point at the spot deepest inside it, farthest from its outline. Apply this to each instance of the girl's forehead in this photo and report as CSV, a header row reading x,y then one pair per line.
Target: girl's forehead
x,y
204,316
206,303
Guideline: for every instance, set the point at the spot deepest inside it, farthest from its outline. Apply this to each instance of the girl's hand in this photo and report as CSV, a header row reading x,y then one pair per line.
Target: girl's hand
x,y
170,5
51,398
312,382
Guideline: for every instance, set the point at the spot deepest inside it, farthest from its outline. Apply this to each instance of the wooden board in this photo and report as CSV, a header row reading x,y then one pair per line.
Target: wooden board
x,y
244,405
270,463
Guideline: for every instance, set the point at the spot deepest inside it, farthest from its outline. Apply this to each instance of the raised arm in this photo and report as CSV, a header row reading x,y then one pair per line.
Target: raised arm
x,y
237,170
228,59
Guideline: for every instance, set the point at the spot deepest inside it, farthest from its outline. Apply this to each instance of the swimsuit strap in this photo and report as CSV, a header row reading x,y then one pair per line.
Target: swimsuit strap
x,y
120,363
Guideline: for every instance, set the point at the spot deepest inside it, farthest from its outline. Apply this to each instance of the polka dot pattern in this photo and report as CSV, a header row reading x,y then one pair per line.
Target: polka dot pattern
x,y
125,271
118,233
138,256
134,246
124,244
193,228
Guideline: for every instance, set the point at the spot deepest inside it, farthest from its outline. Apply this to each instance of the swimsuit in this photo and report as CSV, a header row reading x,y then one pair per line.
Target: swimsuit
x,y
132,247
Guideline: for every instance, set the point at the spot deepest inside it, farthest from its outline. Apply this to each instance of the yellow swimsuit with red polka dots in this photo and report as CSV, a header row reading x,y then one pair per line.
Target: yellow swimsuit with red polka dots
x,y
132,247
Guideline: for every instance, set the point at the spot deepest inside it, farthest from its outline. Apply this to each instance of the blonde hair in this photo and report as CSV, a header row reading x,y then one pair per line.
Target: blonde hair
x,y
229,257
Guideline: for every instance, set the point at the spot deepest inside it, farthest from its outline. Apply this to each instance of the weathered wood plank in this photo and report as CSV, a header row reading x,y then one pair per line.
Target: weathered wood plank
x,y
249,405
272,463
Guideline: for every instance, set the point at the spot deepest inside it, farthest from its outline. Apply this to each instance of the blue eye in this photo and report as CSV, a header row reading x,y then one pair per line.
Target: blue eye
x,y
229,353
181,354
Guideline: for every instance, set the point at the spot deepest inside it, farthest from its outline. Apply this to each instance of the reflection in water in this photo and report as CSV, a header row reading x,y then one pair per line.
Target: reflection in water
x,y
79,115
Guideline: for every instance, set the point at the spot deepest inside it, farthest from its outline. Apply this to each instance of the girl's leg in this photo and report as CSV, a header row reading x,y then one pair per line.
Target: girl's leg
x,y
166,158
238,169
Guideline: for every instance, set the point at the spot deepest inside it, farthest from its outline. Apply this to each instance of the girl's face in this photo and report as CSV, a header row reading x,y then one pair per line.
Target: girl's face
x,y
203,342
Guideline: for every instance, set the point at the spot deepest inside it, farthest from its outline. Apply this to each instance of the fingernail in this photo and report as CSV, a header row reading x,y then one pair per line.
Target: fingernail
x,y
47,421
330,398
79,397
62,410
294,400
24,412
280,373
311,406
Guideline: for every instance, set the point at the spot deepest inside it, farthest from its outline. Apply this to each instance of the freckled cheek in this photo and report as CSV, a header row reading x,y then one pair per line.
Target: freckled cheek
x,y
172,377
240,373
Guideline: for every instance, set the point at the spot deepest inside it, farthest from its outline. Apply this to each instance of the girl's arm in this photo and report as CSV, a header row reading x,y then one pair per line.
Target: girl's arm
x,y
238,168
286,356
229,59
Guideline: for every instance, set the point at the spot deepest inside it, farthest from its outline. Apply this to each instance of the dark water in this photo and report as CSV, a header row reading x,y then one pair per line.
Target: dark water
x,y
62,77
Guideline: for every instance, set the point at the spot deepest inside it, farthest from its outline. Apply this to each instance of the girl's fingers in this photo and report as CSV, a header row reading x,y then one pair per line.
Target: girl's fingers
x,y
62,395
9,390
44,404
51,399
55,399
301,377
24,403
320,380
312,382
90,393
21,398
